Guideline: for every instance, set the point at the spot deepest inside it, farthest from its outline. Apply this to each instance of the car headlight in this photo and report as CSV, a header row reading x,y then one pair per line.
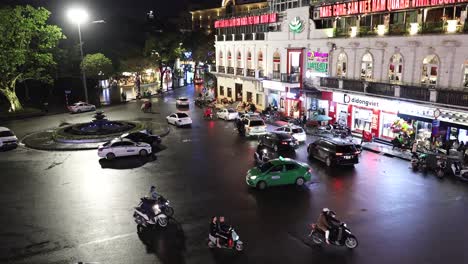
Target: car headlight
x,y
253,177
156,208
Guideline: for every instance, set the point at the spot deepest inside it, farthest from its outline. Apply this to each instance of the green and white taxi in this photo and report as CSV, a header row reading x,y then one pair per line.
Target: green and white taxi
x,y
281,171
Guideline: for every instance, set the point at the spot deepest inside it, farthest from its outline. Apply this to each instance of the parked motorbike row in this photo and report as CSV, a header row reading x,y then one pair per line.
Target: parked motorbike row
x,y
441,165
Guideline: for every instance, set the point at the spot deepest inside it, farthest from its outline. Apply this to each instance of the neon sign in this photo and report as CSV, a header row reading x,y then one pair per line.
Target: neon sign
x,y
245,21
373,6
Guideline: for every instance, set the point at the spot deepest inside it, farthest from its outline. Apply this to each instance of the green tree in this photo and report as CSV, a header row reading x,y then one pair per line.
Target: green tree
x,y
164,50
26,48
97,66
202,46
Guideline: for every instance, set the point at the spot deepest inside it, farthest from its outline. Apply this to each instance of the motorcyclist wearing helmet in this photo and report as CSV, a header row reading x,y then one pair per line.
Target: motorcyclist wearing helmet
x,y
152,194
326,221
208,112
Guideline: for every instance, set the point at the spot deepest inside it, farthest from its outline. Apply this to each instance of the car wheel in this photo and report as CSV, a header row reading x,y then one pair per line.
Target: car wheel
x,y
261,185
300,181
78,111
93,109
275,148
110,156
328,162
143,153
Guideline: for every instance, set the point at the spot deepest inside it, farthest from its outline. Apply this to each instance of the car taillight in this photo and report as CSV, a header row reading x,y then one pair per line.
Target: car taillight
x,y
356,152
284,143
339,154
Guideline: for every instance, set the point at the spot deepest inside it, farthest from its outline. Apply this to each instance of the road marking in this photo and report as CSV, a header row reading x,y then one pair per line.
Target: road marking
x,y
98,241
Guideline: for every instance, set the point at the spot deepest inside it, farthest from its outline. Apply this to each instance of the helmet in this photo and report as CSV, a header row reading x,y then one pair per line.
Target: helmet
x,y
325,210
153,187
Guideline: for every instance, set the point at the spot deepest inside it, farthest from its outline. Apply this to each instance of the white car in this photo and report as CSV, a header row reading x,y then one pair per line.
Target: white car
x,y
81,107
254,126
296,131
7,138
121,147
227,114
179,119
182,101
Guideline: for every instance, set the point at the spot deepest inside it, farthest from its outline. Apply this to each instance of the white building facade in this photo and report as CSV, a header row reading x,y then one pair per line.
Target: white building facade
x,y
417,54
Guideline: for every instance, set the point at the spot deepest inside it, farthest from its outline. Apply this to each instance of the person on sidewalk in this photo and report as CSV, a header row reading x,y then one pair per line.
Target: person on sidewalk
x,y
414,148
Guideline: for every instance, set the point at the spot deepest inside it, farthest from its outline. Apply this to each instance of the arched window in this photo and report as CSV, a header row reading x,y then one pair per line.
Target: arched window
x,y
249,60
276,62
220,57
430,70
366,67
341,65
260,60
229,59
395,68
239,59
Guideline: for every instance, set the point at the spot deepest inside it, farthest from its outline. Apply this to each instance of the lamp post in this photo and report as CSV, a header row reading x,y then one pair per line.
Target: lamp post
x,y
80,16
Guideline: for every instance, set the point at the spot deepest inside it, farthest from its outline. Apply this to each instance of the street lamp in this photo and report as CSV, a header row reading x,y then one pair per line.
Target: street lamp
x,y
80,16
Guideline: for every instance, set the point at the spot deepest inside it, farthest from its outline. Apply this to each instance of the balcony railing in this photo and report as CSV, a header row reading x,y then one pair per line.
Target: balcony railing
x,y
381,89
276,75
251,72
261,74
230,70
367,31
397,29
213,68
432,27
452,97
290,78
239,71
414,92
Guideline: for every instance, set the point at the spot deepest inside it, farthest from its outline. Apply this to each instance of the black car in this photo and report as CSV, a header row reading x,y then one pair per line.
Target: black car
x,y
334,151
279,140
143,137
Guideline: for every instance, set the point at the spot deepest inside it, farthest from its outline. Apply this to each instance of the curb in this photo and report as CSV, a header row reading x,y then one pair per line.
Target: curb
x,y
384,153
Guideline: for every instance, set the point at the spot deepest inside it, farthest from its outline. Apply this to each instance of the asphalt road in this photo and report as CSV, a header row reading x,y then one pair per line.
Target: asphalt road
x,y
67,207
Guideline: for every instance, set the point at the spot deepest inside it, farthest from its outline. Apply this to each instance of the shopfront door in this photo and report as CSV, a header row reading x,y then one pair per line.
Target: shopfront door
x,y
238,92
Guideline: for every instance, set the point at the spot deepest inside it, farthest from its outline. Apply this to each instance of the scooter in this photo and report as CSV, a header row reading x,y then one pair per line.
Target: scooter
x,y
418,162
261,156
232,243
340,236
458,171
145,219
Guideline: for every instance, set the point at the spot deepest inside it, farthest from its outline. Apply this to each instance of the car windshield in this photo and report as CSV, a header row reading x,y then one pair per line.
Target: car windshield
x,y
182,115
106,144
231,111
297,130
345,148
256,123
265,166
6,134
183,99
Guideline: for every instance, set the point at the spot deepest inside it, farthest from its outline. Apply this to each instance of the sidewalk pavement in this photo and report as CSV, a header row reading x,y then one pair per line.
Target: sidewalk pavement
x,y
387,150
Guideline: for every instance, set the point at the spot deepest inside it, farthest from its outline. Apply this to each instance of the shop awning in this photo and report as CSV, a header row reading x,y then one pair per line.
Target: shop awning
x,y
419,118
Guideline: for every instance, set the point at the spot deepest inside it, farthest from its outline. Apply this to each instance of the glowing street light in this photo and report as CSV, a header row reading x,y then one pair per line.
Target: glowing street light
x,y
80,16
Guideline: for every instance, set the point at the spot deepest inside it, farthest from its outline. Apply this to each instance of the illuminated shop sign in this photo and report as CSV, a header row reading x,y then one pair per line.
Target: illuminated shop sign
x,y
245,21
317,61
373,6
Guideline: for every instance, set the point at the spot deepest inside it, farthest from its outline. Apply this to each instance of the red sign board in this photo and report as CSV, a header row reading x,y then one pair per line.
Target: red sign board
x,y
373,6
245,21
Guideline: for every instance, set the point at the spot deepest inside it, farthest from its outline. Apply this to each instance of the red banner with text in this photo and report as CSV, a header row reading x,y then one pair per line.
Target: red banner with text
x,y
245,21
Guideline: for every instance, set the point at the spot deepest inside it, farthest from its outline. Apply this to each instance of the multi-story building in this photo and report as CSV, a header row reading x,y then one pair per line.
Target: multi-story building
x,y
203,19
375,62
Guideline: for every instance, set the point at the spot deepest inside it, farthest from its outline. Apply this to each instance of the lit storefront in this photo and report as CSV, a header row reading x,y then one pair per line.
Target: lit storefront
x,y
379,115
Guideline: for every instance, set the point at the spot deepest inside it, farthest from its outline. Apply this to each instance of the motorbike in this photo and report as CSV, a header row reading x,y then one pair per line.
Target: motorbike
x,y
233,242
418,162
458,171
340,236
262,156
144,218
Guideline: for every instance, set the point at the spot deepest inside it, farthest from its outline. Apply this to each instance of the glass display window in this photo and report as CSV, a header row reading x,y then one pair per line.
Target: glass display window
x,y
386,122
362,119
366,67
430,70
341,65
395,69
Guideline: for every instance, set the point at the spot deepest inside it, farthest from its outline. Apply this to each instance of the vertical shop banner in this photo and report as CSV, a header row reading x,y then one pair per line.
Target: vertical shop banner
x,y
375,123
435,127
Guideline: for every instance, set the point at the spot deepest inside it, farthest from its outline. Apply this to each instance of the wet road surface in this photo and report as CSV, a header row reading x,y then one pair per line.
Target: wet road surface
x,y
66,207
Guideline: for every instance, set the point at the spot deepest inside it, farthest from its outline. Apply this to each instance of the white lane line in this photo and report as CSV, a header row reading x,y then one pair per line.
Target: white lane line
x,y
98,241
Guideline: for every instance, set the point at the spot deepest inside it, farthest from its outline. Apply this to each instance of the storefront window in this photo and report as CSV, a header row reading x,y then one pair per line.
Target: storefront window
x,y
249,97
260,60
362,119
239,59
258,99
387,120
229,92
229,59
465,74
366,67
276,62
249,60
221,90
430,70
395,69
341,67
